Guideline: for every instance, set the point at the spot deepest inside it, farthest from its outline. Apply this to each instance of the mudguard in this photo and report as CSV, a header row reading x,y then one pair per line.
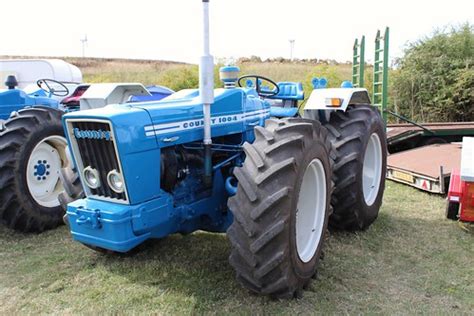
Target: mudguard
x,y
317,99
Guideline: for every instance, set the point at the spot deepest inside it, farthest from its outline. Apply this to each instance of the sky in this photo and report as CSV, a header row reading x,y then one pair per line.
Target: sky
x,y
172,30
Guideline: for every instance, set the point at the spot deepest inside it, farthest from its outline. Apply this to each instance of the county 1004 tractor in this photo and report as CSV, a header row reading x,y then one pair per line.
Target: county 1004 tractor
x,y
240,160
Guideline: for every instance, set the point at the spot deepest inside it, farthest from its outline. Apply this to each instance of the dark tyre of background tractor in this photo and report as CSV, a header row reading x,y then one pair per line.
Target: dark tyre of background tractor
x,y
360,165
72,187
29,185
281,207
452,210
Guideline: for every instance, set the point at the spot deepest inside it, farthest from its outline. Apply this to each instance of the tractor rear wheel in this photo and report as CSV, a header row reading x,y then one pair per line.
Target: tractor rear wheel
x,y
32,153
360,165
281,207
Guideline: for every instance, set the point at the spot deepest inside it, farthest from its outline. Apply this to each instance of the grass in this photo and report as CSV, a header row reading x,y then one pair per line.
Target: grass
x,y
411,260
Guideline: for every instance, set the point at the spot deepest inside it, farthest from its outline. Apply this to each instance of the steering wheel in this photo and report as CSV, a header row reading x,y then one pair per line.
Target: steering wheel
x,y
261,90
53,87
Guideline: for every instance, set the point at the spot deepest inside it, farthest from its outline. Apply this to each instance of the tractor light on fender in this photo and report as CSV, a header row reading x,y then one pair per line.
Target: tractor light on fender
x,y
91,177
115,181
333,102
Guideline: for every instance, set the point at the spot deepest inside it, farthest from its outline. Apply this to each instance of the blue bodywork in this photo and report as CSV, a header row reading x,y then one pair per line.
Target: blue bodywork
x,y
15,99
157,93
144,134
319,83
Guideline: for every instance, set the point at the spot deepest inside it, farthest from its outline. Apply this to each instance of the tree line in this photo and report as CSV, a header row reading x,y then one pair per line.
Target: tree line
x,y
434,80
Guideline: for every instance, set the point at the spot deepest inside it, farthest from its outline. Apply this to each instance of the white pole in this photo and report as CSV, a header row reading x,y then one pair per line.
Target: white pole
x,y
292,45
84,42
206,75
206,91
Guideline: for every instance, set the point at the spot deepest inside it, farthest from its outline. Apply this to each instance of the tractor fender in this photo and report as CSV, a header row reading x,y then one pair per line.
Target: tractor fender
x,y
318,98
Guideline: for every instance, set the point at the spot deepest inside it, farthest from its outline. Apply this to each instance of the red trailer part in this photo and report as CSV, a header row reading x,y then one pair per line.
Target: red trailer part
x,y
454,195
461,187
466,210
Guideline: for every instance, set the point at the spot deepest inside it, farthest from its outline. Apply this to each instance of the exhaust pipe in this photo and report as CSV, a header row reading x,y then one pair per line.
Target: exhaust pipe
x,y
206,91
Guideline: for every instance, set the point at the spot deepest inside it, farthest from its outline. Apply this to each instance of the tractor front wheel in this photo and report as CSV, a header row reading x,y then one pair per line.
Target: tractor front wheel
x,y
281,207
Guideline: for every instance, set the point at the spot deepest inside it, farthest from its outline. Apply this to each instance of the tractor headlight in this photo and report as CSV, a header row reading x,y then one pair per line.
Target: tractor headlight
x,y
115,181
91,177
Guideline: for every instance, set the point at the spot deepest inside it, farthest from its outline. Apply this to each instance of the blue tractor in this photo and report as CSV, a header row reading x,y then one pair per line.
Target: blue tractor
x,y
35,169
13,99
241,160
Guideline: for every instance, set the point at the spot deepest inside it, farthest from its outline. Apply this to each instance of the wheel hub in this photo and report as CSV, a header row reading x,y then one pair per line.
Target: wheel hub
x,y
43,168
372,169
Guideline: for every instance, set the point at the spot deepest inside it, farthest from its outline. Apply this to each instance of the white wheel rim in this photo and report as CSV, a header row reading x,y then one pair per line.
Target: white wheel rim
x,y
43,169
311,210
372,170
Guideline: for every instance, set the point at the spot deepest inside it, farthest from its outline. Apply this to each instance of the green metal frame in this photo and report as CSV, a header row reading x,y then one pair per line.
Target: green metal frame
x,y
380,88
358,63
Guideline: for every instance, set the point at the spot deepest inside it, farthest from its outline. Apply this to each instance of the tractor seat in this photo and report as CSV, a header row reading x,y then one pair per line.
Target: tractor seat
x,y
289,91
285,103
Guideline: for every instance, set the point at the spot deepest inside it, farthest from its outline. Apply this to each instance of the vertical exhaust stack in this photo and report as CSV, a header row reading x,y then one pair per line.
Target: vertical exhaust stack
x,y
206,91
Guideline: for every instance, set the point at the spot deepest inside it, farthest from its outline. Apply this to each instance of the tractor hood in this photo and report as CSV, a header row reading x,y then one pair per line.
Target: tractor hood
x,y
178,118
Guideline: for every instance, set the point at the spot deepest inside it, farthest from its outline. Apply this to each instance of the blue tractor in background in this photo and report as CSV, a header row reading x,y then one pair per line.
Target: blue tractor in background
x,y
242,160
13,99
37,179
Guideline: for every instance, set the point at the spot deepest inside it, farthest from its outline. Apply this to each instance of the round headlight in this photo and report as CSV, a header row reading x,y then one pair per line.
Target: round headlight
x,y
91,177
115,181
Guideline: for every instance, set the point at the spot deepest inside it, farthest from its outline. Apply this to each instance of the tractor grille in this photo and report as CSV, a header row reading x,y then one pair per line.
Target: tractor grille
x,y
98,153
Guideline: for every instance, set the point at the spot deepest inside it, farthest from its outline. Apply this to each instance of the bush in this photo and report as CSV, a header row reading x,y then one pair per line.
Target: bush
x,y
181,78
434,79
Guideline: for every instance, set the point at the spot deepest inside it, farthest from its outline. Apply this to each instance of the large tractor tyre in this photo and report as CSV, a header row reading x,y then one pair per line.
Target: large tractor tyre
x,y
281,207
32,154
360,165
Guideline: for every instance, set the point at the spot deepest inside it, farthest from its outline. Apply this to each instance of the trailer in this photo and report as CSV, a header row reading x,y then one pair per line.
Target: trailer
x,y
411,135
424,155
427,168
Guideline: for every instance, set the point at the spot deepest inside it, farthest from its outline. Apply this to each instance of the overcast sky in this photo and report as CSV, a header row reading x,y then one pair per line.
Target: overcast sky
x,y
171,30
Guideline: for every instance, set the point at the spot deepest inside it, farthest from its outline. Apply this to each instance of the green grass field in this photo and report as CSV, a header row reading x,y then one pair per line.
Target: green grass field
x,y
411,260
179,76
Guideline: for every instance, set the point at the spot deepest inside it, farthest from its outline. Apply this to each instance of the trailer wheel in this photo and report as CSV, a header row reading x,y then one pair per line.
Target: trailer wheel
x,y
281,207
32,153
452,210
360,165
